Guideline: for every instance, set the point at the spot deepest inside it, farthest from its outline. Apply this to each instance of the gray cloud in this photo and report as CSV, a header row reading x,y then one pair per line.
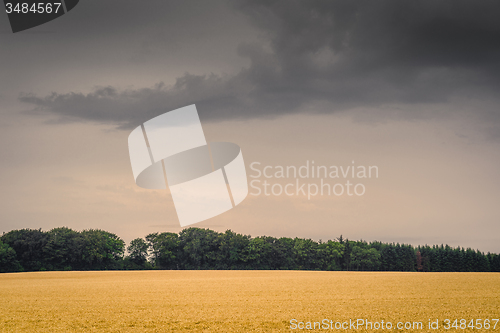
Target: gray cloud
x,y
346,53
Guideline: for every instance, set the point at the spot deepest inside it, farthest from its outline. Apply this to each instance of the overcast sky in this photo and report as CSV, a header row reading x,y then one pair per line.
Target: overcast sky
x,y
411,87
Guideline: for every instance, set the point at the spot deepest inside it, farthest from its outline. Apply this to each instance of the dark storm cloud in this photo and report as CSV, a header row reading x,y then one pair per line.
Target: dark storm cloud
x,y
346,53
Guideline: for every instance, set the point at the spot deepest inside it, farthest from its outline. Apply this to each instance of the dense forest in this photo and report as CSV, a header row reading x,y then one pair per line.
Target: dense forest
x,y
195,248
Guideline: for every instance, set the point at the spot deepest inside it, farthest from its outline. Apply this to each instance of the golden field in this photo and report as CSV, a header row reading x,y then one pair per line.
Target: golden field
x,y
239,301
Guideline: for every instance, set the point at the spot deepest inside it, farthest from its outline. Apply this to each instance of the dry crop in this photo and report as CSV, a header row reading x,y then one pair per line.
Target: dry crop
x,y
241,301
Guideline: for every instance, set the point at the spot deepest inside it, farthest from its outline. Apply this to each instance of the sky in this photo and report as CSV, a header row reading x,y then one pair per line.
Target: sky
x,y
410,87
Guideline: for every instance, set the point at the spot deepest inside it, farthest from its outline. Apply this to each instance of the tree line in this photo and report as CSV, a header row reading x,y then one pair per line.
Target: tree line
x,y
196,248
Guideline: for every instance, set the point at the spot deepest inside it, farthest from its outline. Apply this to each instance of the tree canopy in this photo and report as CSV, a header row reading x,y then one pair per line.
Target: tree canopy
x,y
196,248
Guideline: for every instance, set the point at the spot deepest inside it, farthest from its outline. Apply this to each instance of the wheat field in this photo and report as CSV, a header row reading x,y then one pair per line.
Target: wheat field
x,y
240,301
